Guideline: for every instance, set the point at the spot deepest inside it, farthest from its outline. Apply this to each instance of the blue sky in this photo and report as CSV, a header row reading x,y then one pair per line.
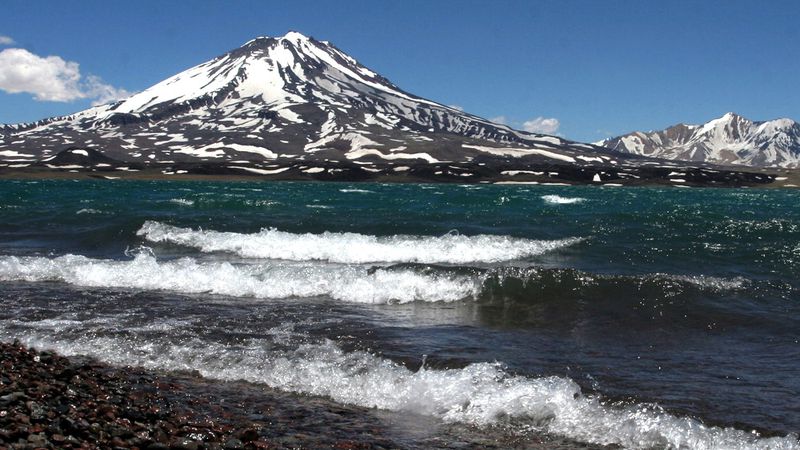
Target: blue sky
x,y
599,67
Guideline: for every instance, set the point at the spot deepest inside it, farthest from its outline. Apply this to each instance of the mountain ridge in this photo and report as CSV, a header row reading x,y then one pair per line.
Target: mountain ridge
x,y
728,140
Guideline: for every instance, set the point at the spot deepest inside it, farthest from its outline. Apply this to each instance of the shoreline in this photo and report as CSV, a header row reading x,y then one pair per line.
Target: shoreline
x,y
53,402
49,401
84,163
767,179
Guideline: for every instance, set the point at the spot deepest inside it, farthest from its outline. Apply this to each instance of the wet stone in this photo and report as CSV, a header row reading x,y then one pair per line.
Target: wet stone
x,y
233,444
157,446
249,435
183,444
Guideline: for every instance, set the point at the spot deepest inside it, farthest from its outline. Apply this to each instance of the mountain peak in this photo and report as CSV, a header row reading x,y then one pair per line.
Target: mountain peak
x,y
728,117
295,36
288,97
729,140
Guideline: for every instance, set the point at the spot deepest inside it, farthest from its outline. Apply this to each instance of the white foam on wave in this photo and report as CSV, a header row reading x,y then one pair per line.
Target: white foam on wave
x,y
353,247
88,211
270,280
360,191
480,394
182,201
559,200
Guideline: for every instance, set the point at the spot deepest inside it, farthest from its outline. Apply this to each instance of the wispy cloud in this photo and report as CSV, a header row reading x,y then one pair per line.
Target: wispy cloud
x,y
103,93
542,125
52,79
456,107
5,40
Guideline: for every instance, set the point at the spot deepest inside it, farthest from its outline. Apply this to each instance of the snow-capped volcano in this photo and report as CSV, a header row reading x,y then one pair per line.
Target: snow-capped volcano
x,y
291,97
728,140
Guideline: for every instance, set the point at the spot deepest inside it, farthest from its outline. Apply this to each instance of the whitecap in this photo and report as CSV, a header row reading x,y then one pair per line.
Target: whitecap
x,y
182,201
559,200
275,280
261,203
355,247
89,211
360,191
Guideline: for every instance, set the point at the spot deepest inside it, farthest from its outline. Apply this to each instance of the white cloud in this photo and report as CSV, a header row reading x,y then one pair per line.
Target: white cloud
x,y
5,40
51,78
48,79
499,119
103,93
456,107
541,125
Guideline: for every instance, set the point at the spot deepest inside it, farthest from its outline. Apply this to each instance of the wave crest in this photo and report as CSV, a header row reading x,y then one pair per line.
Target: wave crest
x,y
353,247
270,280
398,283
559,200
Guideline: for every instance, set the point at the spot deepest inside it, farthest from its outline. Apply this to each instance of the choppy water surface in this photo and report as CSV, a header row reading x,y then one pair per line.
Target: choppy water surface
x,y
641,317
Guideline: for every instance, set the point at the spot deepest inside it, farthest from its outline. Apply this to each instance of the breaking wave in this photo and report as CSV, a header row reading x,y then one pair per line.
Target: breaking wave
x,y
397,283
482,394
353,247
270,280
360,191
182,201
559,200
88,211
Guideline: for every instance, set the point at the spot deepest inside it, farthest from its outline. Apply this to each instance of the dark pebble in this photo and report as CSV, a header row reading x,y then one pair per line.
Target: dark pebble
x,y
233,444
249,435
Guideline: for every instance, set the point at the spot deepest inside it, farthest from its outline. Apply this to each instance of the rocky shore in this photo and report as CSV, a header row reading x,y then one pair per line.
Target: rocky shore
x,y
48,401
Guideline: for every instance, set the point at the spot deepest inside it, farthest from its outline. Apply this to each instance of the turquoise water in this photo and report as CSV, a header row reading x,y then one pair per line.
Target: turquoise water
x,y
636,316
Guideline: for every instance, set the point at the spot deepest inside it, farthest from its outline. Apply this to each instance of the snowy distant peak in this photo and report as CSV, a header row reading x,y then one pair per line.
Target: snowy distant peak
x,y
294,36
729,127
287,97
291,36
291,68
730,139
309,51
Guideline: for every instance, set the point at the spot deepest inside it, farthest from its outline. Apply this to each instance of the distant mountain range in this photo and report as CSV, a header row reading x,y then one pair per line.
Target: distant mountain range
x,y
293,107
729,140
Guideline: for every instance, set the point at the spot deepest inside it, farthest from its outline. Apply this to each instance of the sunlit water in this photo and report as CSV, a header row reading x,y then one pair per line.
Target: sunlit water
x,y
641,317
